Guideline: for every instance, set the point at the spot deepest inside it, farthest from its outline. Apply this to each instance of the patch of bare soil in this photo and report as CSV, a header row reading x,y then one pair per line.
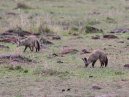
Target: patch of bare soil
x,y
16,32
110,36
68,51
4,47
126,66
95,87
95,37
56,37
12,35
14,59
120,30
8,39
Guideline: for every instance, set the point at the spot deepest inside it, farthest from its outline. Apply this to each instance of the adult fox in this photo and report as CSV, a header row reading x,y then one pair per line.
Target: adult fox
x,y
30,42
95,55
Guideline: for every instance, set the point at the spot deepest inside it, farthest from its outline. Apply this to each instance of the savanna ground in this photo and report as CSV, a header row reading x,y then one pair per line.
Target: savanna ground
x,y
65,76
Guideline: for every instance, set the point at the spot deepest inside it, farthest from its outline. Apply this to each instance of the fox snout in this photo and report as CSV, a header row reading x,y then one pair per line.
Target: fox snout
x,y
86,65
18,43
85,61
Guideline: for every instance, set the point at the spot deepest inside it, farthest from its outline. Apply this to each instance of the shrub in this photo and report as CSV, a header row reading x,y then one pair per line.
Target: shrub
x,y
22,6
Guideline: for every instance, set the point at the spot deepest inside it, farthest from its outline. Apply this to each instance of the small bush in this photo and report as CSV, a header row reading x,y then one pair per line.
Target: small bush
x,y
26,71
110,20
22,6
18,68
91,29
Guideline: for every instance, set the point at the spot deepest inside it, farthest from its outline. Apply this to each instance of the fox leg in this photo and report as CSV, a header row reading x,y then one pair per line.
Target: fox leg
x,y
32,48
25,48
36,49
93,64
102,64
106,62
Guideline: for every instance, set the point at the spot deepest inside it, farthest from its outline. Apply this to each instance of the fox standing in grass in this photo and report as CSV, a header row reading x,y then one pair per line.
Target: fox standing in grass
x,y
30,42
95,55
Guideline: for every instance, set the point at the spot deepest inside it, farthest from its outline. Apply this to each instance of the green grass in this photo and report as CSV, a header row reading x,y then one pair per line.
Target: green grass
x,y
69,11
49,77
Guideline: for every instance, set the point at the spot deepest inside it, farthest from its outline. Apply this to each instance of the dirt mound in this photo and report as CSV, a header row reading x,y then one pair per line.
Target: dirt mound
x,y
126,66
120,30
95,87
68,51
12,35
110,36
90,29
84,51
16,32
8,58
56,37
95,37
120,41
8,39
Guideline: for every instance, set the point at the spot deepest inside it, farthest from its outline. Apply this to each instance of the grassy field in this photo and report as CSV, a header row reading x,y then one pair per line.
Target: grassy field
x,y
66,76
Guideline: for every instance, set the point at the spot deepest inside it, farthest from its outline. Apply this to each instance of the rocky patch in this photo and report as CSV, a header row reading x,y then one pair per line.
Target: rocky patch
x,y
8,58
84,51
95,87
126,66
120,30
95,37
110,37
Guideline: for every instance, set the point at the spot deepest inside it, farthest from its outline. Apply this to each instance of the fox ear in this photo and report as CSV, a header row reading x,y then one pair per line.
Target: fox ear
x,y
84,59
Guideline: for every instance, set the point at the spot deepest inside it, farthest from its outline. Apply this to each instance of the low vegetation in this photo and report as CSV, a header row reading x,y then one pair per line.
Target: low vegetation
x,y
68,30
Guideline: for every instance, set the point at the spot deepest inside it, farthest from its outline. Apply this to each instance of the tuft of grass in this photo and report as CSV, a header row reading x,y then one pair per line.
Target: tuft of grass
x,y
44,30
92,22
74,30
91,29
38,70
110,20
16,69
